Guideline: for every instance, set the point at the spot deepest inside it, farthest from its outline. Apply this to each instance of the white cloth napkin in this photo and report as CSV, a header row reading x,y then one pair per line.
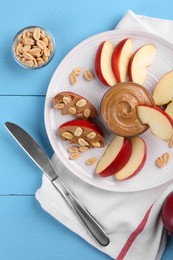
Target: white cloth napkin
x,y
131,220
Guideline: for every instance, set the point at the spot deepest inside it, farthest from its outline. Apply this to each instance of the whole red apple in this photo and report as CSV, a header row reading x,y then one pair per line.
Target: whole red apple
x,y
167,213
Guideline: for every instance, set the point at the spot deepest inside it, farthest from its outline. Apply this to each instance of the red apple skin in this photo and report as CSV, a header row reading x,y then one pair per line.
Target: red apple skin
x,y
84,123
167,213
162,111
141,164
98,63
120,160
116,59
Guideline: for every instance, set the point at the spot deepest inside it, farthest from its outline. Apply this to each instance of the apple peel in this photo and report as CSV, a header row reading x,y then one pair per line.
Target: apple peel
x,y
120,59
103,67
136,160
115,157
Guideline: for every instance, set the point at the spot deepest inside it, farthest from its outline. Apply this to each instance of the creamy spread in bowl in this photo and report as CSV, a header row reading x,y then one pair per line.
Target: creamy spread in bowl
x,y
118,108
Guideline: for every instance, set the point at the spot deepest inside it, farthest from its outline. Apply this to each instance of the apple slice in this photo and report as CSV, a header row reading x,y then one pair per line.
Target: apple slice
x,y
141,59
120,59
136,160
163,92
115,157
159,121
72,103
82,132
103,67
169,109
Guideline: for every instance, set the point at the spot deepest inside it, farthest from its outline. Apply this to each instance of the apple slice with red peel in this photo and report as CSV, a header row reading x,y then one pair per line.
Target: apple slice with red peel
x,y
120,59
82,132
103,67
136,160
115,157
169,109
160,122
163,92
141,59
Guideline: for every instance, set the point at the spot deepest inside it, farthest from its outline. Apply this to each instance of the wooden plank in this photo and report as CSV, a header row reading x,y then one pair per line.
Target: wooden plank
x,y
69,26
18,172
168,253
29,233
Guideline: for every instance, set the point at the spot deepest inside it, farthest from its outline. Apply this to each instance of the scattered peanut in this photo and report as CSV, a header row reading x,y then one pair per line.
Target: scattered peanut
x,y
77,71
171,143
82,142
73,78
163,160
166,157
32,44
88,75
83,149
91,161
73,149
159,162
74,156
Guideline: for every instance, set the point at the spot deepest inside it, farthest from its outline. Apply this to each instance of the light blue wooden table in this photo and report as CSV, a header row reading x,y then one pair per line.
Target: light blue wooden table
x,y
26,231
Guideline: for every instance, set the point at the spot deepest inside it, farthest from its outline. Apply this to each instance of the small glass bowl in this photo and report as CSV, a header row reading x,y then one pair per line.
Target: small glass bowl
x,y
16,40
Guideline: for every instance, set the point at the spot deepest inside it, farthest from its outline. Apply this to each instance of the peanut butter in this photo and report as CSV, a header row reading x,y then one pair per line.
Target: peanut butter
x,y
118,108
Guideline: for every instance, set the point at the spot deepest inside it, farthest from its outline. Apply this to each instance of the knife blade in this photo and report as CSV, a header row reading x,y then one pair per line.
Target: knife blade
x,y
36,153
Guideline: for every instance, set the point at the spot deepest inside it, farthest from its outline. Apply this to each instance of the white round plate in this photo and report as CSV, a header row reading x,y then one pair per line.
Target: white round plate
x,y
83,55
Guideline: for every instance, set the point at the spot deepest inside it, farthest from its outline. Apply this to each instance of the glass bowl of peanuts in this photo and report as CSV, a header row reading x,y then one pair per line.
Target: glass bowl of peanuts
x,y
33,47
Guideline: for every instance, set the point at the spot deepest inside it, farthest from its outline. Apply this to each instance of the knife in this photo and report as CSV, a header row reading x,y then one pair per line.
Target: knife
x,y
33,149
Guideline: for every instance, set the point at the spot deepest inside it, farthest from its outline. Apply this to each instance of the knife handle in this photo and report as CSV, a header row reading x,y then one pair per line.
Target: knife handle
x,y
92,225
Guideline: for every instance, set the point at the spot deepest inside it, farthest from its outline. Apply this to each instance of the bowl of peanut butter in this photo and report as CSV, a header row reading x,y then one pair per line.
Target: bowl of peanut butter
x,y
118,108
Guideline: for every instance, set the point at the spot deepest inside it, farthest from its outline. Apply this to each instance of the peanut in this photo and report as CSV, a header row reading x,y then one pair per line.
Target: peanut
x,y
73,149
91,161
73,78
163,160
81,103
77,71
74,156
88,75
78,131
82,142
67,135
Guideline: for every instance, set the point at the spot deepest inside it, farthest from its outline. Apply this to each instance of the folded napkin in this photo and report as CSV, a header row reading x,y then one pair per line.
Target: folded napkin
x,y
131,220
